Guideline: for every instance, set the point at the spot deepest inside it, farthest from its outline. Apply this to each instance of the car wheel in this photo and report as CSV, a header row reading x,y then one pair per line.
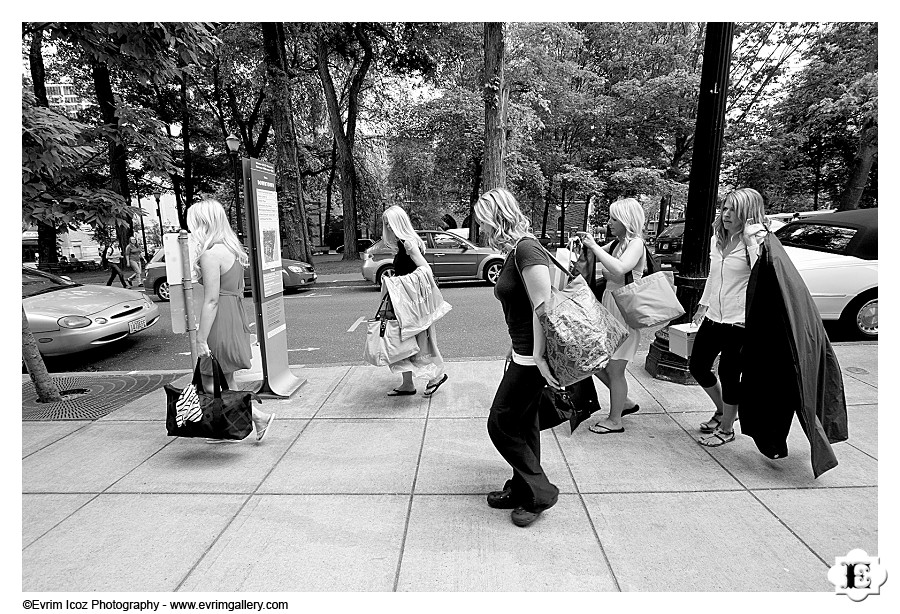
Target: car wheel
x,y
492,272
386,271
162,290
860,318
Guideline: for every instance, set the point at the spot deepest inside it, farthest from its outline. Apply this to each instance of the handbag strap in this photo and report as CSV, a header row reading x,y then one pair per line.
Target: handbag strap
x,y
219,381
382,307
516,262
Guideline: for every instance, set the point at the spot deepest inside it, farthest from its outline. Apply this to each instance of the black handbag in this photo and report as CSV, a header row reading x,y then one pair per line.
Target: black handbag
x,y
575,403
227,414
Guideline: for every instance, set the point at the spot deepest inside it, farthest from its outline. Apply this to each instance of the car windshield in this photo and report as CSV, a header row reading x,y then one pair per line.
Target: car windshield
x,y
159,256
672,232
816,236
36,282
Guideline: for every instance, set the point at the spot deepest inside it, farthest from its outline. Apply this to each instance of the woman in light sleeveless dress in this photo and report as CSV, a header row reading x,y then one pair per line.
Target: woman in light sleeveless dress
x,y
223,331
626,221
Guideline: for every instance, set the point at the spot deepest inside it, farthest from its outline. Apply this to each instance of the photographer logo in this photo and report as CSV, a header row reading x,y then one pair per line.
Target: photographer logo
x,y
857,575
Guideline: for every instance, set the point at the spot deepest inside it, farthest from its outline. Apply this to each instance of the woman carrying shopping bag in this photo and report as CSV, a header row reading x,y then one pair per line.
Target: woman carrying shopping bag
x,y
733,250
626,253
218,262
408,248
513,423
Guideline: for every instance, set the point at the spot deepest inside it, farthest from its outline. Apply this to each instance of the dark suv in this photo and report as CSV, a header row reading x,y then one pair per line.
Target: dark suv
x,y
668,244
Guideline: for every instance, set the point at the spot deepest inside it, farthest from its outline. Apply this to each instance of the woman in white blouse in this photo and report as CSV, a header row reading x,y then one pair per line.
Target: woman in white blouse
x,y
734,248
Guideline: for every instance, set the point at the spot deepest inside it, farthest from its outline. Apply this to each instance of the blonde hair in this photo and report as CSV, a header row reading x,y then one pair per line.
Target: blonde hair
x,y
209,225
748,207
498,209
397,226
630,212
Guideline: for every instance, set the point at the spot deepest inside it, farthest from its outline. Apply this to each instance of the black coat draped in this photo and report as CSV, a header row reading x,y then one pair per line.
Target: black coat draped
x,y
788,364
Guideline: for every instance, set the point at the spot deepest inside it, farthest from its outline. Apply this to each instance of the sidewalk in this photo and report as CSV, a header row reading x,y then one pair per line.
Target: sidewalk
x,y
355,491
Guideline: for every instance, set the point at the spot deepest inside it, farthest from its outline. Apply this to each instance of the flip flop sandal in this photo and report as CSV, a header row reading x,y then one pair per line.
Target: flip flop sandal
x,y
431,389
718,438
710,425
631,410
601,429
400,393
262,433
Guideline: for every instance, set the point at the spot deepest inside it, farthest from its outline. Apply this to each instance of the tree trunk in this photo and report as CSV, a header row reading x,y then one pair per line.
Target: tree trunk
x,y
561,225
664,204
496,95
329,186
46,389
344,140
473,198
294,230
46,233
187,157
862,165
36,61
118,162
546,208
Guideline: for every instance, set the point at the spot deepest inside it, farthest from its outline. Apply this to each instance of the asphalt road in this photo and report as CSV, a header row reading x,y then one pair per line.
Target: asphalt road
x,y
325,325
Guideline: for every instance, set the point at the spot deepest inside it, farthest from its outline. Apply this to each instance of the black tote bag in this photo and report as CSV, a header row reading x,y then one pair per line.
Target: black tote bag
x,y
227,414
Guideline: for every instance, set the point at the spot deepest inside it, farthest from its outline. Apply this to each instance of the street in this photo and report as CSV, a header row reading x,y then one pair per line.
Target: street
x,y
325,325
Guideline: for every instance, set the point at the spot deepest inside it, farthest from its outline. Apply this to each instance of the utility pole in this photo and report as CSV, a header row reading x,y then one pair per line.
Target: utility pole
x,y
703,191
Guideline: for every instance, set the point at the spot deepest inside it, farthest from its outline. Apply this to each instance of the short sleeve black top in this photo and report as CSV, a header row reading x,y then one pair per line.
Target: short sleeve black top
x,y
403,264
510,291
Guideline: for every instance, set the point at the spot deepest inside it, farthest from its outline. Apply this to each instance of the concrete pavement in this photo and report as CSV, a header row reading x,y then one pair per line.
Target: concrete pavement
x,y
355,491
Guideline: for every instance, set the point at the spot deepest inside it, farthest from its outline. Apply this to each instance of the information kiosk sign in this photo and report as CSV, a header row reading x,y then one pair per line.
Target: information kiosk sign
x,y
261,202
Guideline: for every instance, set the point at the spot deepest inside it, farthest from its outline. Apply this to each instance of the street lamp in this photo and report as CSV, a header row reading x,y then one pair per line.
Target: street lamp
x,y
234,144
157,194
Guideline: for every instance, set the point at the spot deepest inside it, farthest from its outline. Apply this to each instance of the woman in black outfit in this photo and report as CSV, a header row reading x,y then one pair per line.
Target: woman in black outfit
x,y
524,283
398,234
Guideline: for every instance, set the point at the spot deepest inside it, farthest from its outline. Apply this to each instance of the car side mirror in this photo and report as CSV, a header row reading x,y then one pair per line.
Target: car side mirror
x,y
465,247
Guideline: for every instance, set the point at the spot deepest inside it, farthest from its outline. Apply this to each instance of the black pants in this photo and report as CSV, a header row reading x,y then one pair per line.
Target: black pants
x,y
113,271
711,340
513,427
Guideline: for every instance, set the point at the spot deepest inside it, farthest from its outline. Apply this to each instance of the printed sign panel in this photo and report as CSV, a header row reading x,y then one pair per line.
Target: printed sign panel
x,y
265,247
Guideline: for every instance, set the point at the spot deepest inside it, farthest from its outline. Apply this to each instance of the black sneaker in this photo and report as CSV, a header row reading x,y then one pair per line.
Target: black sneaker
x,y
502,499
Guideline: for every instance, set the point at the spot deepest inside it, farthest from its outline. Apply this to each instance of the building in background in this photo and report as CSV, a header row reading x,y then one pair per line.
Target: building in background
x,y
62,97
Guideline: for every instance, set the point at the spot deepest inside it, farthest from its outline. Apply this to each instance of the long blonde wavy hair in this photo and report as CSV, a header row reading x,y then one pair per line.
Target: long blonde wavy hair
x,y
397,226
209,225
748,206
499,209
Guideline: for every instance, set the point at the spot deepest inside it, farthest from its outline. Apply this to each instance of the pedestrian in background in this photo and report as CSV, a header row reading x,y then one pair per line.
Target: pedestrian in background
x,y
626,253
409,250
114,269
523,283
218,262
133,259
733,250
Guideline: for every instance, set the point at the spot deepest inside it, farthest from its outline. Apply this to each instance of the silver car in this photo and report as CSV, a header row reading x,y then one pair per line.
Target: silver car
x,y
67,317
450,257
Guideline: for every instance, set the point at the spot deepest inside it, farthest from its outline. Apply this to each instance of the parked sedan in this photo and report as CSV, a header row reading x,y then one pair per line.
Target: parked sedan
x,y
294,275
837,256
67,317
450,257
